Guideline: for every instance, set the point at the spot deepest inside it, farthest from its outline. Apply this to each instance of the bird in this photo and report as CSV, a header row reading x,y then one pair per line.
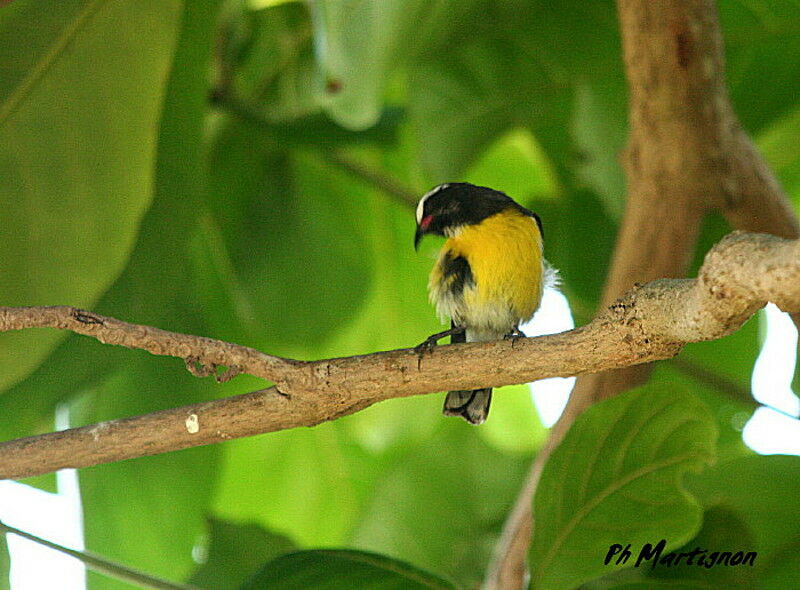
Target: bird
x,y
489,275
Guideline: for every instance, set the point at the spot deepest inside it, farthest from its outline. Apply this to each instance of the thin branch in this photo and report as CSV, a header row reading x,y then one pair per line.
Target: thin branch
x,y
202,355
723,384
101,564
741,274
714,380
379,179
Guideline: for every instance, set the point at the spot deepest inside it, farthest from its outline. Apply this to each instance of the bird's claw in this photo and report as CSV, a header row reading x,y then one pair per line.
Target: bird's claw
x,y
431,341
514,335
426,345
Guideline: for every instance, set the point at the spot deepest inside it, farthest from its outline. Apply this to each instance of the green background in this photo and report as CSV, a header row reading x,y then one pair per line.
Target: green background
x,y
185,165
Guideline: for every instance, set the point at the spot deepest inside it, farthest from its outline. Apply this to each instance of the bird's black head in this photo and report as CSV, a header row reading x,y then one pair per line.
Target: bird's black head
x,y
450,206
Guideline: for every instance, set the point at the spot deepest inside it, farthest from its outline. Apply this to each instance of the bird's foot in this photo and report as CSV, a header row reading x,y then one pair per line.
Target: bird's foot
x,y
514,335
430,342
426,345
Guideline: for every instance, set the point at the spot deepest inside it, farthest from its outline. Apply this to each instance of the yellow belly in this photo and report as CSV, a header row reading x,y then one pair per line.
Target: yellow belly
x,y
504,253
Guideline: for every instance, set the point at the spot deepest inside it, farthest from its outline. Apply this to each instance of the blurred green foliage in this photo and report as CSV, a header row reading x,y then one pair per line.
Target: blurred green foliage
x,y
5,564
184,165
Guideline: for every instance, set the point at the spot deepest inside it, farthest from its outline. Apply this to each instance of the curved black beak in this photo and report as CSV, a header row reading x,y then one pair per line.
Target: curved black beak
x,y
418,237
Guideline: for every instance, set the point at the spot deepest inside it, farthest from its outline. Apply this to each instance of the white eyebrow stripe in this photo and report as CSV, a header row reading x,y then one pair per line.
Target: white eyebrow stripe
x,y
421,204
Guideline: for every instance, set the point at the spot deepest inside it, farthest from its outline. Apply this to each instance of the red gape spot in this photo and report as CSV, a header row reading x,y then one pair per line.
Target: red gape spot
x,y
426,221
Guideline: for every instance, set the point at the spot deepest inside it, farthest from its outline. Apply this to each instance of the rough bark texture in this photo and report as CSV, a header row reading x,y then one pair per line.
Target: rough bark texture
x,y
651,322
686,155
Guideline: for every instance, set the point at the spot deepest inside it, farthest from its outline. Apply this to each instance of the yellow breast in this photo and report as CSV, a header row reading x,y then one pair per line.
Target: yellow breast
x,y
504,253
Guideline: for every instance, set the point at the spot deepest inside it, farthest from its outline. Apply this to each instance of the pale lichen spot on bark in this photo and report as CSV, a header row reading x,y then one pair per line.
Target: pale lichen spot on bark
x,y
97,430
192,424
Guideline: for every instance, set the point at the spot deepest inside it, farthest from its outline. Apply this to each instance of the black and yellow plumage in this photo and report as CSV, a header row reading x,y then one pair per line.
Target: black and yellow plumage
x,y
489,276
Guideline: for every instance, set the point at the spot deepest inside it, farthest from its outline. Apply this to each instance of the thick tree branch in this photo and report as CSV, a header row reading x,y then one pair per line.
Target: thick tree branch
x,y
741,274
686,155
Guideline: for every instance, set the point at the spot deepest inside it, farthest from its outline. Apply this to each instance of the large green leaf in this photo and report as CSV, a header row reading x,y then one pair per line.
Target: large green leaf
x,y
78,122
30,45
723,530
762,491
335,569
267,72
719,373
730,413
616,478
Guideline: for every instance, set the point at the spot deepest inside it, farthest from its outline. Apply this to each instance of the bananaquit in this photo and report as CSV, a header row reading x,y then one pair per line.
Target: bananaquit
x,y
488,277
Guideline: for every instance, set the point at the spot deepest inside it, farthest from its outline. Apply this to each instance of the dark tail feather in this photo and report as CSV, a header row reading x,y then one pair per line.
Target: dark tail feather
x,y
472,405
